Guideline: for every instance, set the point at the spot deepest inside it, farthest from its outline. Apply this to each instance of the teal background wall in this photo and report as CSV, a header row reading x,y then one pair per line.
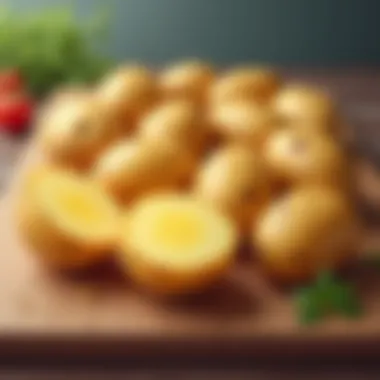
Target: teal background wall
x,y
293,32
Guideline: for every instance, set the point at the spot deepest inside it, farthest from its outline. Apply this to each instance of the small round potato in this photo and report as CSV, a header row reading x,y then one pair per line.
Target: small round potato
x,y
296,157
127,93
243,122
249,83
307,231
305,107
74,131
178,121
235,180
132,168
188,80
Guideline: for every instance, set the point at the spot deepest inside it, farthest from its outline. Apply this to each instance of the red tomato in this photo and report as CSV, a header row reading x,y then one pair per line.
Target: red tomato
x,y
11,81
15,112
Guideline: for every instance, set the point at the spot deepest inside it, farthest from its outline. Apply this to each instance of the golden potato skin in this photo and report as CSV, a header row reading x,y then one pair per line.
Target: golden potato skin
x,y
243,122
75,131
235,180
306,107
257,84
308,230
296,157
188,80
179,122
131,168
127,93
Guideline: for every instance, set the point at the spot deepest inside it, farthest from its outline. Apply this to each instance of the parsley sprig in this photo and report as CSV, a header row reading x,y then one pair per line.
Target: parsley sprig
x,y
327,295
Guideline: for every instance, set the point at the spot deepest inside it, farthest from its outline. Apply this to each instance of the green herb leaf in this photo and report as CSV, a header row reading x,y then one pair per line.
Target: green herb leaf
x,y
327,295
51,47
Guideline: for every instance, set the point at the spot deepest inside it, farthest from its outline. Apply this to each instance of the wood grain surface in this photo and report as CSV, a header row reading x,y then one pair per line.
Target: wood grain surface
x,y
42,315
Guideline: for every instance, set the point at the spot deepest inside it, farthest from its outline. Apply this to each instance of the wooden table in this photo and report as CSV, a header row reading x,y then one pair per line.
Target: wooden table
x,y
358,92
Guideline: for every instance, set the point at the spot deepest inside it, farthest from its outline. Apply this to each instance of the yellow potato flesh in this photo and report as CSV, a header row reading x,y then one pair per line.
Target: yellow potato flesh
x,y
67,221
173,244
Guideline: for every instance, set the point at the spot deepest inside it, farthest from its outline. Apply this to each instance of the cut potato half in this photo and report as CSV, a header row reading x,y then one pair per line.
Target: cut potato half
x,y
175,244
66,220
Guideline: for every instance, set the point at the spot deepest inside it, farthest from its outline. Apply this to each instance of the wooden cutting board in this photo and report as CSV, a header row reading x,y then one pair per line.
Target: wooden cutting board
x,y
100,314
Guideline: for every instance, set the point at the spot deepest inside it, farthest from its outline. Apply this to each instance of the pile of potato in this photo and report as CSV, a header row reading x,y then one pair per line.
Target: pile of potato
x,y
265,155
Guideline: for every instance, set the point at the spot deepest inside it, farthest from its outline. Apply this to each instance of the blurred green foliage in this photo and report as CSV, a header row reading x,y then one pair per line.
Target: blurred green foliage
x,y
52,47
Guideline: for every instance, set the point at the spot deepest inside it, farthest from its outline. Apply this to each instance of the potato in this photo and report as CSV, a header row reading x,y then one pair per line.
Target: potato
x,y
177,121
127,93
75,131
308,230
65,220
189,80
296,157
235,180
306,107
243,122
247,83
132,168
173,244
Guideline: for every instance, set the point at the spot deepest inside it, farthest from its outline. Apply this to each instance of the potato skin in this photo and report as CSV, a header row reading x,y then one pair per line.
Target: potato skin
x,y
235,180
309,230
188,80
127,93
50,244
179,122
298,157
132,168
164,281
307,108
74,132
244,122
258,84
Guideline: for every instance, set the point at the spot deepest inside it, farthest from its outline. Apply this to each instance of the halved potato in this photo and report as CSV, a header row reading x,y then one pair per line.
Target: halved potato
x,y
66,220
309,230
173,244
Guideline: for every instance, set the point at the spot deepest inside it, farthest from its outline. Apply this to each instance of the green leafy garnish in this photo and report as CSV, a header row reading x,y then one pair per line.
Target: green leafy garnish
x,y
52,47
327,295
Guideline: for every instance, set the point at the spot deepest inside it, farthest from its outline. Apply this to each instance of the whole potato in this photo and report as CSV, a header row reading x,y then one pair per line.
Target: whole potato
x,y
188,80
248,83
132,168
308,230
306,107
243,122
127,93
178,121
74,131
235,180
296,157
